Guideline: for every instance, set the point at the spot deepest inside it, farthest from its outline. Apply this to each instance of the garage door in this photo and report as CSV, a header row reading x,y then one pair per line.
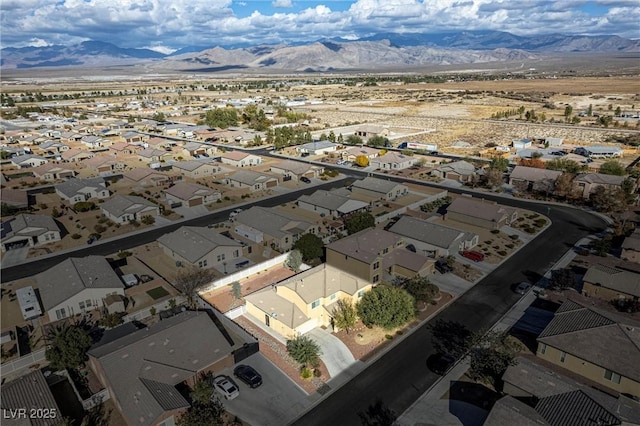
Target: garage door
x,y
195,202
272,183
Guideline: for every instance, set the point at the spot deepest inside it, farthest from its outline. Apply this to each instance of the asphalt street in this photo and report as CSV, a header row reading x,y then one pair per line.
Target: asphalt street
x,y
400,376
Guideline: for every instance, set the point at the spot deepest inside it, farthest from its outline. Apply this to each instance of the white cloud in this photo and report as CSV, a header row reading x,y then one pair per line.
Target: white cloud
x,y
38,42
282,3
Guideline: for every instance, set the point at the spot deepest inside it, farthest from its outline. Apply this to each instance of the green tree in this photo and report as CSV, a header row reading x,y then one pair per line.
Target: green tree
x,y
203,389
568,110
344,315
148,219
294,260
450,337
377,141
618,112
332,136
112,319
236,290
562,279
354,140
601,246
310,247
359,221
385,306
304,350
159,117
564,165
68,346
421,288
608,199
189,280
612,167
500,164
590,110
491,354
377,414
222,117
210,413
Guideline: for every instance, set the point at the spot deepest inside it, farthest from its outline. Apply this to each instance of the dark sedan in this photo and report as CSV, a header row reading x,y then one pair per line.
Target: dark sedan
x,y
249,375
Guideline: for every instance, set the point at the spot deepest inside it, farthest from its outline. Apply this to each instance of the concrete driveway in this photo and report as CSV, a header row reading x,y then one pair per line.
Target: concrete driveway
x,y
278,401
14,256
335,354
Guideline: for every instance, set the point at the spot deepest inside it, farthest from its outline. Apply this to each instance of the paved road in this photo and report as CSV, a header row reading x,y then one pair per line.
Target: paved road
x,y
400,376
104,248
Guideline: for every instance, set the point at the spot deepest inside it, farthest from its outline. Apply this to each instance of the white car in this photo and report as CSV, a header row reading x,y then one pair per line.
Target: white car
x,y
225,387
234,214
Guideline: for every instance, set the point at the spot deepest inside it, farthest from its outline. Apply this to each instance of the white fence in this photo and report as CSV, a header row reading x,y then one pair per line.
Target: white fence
x,y
236,312
244,273
23,362
413,206
146,312
96,399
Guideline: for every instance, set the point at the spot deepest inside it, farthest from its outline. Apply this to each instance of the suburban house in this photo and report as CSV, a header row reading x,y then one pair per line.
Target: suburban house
x,y
125,208
350,154
240,159
553,142
393,161
527,177
586,183
53,147
28,160
31,393
153,155
196,169
294,170
317,148
379,188
329,203
193,149
377,255
580,339
200,246
51,172
15,198
133,137
94,142
160,143
255,181
77,285
431,239
607,283
76,190
368,131
29,230
521,143
268,226
191,194
630,245
599,151
485,214
306,300
146,178
123,148
75,155
142,369
104,166
459,171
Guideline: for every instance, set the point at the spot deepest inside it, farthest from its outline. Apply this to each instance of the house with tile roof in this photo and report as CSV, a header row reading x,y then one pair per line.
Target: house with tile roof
x,y
52,172
254,181
196,169
306,300
77,285
125,208
200,246
29,230
482,213
350,154
104,165
581,338
75,155
191,194
146,177
377,255
607,283
527,177
142,369
459,171
393,161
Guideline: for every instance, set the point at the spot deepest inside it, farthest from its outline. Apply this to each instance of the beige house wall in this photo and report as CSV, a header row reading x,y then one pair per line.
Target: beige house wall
x,y
603,293
352,266
631,255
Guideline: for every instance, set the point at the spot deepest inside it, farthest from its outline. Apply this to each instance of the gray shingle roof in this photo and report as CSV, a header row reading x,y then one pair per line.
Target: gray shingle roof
x,y
193,243
599,178
615,279
144,367
272,222
429,233
508,411
28,392
574,408
121,204
479,209
72,186
332,201
28,224
366,245
73,275
185,190
376,185
249,177
533,174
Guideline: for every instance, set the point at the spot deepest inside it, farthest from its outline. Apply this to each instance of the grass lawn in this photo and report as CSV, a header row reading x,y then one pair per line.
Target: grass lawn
x,y
157,293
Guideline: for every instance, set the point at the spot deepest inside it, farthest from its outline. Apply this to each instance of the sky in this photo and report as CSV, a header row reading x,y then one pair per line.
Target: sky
x,y
167,25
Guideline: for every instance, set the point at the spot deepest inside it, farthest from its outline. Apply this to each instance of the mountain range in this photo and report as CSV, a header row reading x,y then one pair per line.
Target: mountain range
x,y
379,51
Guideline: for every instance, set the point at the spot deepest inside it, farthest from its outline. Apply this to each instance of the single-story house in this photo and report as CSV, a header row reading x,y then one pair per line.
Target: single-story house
x,y
240,159
29,230
104,166
253,180
191,194
142,369
294,170
379,188
15,198
51,172
432,239
317,148
587,183
76,155
599,151
488,215
350,154
200,246
77,285
527,177
328,203
133,137
146,178
125,208
521,143
191,149
460,171
305,301
393,161
76,190
32,394
94,142
152,155
196,169
53,146
368,131
123,148
28,160
607,283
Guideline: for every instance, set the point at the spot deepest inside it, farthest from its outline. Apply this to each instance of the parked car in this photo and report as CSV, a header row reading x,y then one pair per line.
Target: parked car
x,y
443,267
93,238
145,278
340,162
225,387
249,375
305,179
523,288
440,363
234,214
476,256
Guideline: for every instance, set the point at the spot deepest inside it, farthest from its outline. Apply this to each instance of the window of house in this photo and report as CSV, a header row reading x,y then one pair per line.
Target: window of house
x,y
88,303
333,296
376,278
376,265
385,250
61,313
360,293
286,240
221,257
612,376
81,305
203,263
236,253
563,356
543,348
315,304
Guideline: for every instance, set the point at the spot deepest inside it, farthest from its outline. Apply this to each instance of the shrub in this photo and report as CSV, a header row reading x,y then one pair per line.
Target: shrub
x,y
514,237
99,228
317,372
305,373
148,219
76,236
134,223
495,231
388,336
502,253
123,253
84,206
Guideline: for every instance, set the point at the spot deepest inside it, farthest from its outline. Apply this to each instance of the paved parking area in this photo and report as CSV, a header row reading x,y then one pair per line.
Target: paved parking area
x,y
277,402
